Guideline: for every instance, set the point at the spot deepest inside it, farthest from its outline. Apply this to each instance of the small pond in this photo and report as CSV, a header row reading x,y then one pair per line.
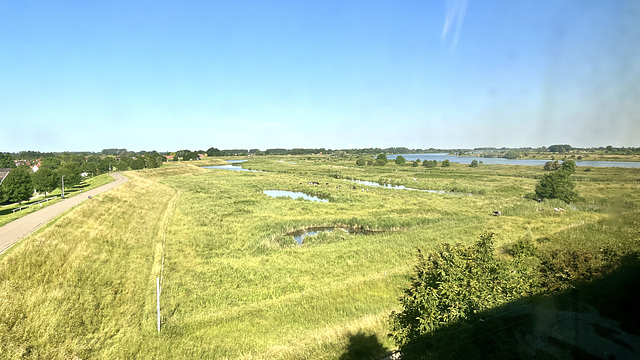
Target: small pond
x,y
402,187
293,195
299,236
235,165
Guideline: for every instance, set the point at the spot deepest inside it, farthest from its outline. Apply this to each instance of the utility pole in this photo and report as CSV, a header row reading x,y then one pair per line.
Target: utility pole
x,y
63,186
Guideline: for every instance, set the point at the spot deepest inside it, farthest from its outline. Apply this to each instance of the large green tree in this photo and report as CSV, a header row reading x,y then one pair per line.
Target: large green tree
x,y
6,161
71,172
45,179
17,186
52,162
400,160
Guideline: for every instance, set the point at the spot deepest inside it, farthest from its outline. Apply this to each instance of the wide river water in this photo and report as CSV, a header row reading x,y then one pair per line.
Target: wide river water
x,y
468,159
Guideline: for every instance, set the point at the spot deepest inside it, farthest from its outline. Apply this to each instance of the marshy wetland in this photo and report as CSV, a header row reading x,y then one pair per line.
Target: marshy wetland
x,y
236,284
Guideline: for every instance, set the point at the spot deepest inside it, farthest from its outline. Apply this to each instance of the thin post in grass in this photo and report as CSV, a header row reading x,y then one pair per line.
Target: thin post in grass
x,y
158,297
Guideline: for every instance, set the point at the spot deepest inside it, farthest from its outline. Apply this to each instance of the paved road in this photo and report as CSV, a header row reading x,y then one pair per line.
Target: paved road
x,y
18,229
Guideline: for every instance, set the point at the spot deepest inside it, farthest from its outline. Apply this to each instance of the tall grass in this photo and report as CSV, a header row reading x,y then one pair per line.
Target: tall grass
x,y
235,285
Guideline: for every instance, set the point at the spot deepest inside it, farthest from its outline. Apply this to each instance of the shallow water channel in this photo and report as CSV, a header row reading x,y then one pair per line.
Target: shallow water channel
x,y
299,236
293,195
235,165
402,187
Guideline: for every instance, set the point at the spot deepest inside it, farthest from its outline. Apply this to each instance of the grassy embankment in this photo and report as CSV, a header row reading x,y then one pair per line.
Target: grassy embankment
x,y
6,212
236,286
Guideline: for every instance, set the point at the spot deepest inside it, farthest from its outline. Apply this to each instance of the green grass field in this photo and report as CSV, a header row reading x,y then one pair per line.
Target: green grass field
x,y
235,285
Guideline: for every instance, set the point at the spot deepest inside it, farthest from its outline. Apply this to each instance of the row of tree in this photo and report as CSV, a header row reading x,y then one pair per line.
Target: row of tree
x,y
21,182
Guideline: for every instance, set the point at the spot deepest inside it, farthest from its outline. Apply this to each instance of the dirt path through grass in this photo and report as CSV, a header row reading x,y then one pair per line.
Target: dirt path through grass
x,y
20,228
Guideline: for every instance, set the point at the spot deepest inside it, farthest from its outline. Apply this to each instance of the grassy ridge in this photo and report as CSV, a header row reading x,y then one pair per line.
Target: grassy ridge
x,y
79,288
237,286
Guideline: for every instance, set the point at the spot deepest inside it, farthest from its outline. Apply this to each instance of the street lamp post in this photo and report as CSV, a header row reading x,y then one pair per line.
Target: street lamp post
x,y
63,186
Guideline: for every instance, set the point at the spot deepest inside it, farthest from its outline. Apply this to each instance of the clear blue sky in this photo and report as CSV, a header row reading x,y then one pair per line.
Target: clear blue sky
x,y
169,75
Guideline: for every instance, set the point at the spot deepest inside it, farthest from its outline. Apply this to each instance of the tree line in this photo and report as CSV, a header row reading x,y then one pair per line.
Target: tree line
x,y
22,182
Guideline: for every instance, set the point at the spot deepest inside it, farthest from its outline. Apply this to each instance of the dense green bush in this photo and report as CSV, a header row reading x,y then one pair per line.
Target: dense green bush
x,y
551,165
569,166
474,163
430,164
557,185
360,162
454,283
446,163
400,160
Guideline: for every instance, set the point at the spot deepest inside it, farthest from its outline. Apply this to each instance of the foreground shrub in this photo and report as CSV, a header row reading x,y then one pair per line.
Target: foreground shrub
x,y
454,283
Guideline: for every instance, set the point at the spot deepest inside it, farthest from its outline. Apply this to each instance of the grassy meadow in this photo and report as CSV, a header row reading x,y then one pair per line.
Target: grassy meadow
x,y
235,283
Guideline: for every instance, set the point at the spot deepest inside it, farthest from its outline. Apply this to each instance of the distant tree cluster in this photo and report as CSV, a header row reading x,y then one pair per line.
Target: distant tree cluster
x,y
21,182
559,148
215,152
512,154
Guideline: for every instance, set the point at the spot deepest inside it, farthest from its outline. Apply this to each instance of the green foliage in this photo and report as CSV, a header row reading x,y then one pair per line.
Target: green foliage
x,y
452,284
105,165
17,186
559,148
380,162
89,168
400,160
215,152
416,163
6,161
551,165
568,166
430,164
360,162
187,155
512,154
524,247
382,157
446,163
52,162
71,174
45,180
113,152
474,163
562,269
137,164
557,185
369,162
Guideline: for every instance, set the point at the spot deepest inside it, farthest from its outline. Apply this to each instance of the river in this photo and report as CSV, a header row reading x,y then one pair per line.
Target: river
x,y
501,161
